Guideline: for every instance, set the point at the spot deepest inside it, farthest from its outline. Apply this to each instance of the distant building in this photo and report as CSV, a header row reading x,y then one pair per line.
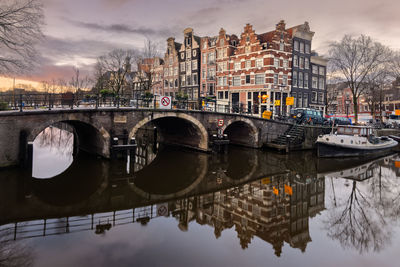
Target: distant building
x,y
189,58
171,84
308,70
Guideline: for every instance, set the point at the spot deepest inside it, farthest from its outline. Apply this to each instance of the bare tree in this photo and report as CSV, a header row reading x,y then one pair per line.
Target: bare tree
x,y
147,63
353,59
117,66
21,22
395,64
373,88
100,76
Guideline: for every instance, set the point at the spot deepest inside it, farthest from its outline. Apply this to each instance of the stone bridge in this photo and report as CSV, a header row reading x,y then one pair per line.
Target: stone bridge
x,y
94,129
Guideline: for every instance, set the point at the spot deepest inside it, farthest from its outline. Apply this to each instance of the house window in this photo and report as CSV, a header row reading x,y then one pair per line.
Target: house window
x,y
194,78
183,80
314,69
194,53
294,78
204,58
259,62
225,81
300,79
220,53
284,80
176,83
281,46
248,64
205,45
203,74
194,64
237,66
249,93
276,62
275,79
236,81
248,49
247,39
306,63
301,47
225,52
314,97
305,80
165,83
247,79
285,63
321,83
226,94
295,61
171,84
188,79
182,55
307,48
176,71
301,62
220,81
171,71
296,45
182,66
260,78
305,100
220,95
315,82
295,97
321,71
166,72
188,54
320,97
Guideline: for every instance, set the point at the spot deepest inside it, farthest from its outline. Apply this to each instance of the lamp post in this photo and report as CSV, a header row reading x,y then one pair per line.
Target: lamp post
x,y
281,86
347,107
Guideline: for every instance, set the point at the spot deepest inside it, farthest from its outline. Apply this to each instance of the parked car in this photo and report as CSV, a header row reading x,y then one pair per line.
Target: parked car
x,y
306,116
338,121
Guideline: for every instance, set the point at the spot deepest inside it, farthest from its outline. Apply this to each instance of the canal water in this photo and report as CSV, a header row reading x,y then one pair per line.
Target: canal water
x,y
172,207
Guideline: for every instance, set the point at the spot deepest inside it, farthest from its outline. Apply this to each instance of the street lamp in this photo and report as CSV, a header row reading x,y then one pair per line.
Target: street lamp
x,y
347,107
281,86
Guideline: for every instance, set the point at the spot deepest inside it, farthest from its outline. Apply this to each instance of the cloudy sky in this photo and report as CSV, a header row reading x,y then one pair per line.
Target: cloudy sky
x,y
78,31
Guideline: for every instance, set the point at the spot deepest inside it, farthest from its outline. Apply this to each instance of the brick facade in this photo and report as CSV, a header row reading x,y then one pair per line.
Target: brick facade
x,y
259,64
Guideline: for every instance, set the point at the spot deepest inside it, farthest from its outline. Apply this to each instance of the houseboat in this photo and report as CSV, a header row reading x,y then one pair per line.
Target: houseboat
x,y
353,141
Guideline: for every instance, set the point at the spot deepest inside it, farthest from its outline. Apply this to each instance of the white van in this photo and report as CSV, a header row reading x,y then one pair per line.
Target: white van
x,y
394,120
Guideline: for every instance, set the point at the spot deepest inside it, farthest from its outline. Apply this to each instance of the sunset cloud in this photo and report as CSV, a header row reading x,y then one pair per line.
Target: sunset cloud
x,y
79,31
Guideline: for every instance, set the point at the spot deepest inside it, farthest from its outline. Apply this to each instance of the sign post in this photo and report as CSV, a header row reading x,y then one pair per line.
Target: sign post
x,y
165,102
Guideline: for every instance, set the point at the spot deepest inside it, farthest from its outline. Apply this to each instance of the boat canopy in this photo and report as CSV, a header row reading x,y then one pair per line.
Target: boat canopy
x,y
354,130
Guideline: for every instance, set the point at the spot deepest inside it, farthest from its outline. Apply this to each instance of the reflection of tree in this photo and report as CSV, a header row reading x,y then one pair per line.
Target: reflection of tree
x,y
358,223
58,138
14,253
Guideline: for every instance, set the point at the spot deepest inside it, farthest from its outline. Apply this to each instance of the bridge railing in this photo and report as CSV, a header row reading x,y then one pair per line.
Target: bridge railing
x,y
49,101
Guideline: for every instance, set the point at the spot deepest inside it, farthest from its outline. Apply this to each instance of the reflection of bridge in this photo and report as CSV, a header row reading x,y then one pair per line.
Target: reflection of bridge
x,y
95,127
252,208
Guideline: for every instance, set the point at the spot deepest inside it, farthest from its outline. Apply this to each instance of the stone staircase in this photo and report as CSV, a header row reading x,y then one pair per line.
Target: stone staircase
x,y
290,139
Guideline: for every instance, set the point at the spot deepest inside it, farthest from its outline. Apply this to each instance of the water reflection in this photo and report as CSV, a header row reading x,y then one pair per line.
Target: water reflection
x,y
53,151
257,195
363,210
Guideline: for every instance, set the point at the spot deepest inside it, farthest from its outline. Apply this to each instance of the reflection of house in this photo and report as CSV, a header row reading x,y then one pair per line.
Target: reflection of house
x,y
254,210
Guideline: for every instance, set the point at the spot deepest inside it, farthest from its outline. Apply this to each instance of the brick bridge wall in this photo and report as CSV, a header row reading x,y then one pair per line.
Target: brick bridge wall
x,y
96,127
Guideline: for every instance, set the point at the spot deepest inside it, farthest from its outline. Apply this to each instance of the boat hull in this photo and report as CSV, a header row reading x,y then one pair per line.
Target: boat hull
x,y
332,150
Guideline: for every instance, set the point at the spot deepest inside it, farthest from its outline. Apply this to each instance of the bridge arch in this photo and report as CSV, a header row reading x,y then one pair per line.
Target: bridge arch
x,y
91,137
242,131
197,139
